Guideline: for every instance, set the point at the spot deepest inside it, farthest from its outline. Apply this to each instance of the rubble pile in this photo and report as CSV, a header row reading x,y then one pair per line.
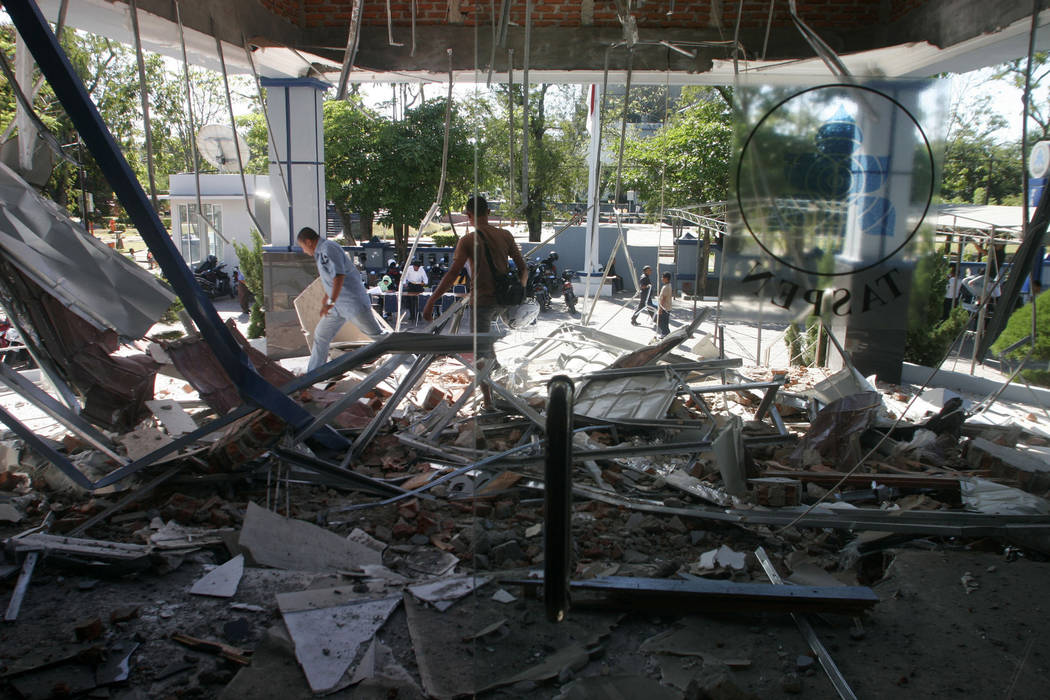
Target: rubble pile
x,y
410,558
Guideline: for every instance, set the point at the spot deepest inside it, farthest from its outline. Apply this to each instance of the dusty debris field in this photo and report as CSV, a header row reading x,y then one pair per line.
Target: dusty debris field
x,y
907,533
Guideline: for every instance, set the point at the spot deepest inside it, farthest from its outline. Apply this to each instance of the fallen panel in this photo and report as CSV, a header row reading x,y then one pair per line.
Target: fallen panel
x,y
643,397
308,308
172,416
84,274
709,594
442,594
327,640
222,581
285,543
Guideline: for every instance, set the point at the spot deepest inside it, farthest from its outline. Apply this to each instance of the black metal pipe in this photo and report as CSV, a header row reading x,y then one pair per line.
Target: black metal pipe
x,y
557,531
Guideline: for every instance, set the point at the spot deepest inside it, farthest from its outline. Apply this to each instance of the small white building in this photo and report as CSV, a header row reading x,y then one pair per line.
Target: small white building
x,y
223,204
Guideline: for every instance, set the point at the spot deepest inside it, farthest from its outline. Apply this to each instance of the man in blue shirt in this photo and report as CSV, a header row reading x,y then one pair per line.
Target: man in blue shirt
x,y
345,298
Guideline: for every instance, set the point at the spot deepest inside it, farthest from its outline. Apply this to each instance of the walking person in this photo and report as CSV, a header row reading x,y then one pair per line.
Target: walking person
x,y
645,295
500,245
345,298
664,316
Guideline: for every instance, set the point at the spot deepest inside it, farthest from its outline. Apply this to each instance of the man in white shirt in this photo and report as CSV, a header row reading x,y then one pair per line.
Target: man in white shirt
x,y
416,281
345,298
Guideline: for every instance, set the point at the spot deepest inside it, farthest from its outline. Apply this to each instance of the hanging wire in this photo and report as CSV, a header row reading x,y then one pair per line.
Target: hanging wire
x,y
144,97
769,25
350,54
440,193
266,115
60,23
42,131
525,109
233,125
193,127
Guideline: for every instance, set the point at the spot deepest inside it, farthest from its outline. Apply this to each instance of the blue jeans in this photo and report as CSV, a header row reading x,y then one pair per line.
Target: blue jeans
x,y
329,326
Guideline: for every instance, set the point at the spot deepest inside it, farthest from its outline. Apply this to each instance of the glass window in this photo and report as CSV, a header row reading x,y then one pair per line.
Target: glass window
x,y
192,232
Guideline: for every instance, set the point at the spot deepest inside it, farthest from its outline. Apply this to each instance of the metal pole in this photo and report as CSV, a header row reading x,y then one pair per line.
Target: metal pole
x,y
557,528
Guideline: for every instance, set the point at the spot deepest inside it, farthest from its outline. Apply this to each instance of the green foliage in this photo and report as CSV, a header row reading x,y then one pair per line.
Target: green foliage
x,y
557,147
687,160
444,240
391,170
928,339
1020,326
802,345
251,266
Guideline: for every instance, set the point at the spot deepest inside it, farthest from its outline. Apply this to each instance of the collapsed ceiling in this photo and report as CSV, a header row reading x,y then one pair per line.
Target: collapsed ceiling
x,y
698,42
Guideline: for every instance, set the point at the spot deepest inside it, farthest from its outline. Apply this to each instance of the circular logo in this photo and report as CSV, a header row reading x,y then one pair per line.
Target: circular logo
x,y
1039,160
834,179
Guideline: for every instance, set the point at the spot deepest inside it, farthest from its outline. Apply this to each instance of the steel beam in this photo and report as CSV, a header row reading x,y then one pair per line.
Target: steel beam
x,y
45,450
46,403
70,91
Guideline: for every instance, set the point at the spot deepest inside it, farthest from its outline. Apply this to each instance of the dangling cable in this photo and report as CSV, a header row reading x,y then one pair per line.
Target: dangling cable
x,y
39,83
525,202
350,54
440,193
144,97
233,125
193,126
266,116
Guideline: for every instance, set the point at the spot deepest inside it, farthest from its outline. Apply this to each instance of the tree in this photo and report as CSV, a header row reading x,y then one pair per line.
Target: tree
x,y
1013,72
352,160
687,160
556,147
408,166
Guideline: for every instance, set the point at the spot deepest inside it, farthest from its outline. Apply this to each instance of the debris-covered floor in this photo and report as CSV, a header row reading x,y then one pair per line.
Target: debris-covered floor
x,y
260,561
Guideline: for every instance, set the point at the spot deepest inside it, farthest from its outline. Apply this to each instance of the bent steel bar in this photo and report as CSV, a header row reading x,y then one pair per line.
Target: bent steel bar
x,y
45,450
557,502
68,88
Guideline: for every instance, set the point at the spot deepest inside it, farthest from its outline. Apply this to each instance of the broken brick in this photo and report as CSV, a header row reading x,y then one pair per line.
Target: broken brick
x,y
402,530
88,629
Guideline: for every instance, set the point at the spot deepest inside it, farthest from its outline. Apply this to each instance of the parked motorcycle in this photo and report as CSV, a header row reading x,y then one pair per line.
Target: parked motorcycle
x,y
213,278
536,285
567,291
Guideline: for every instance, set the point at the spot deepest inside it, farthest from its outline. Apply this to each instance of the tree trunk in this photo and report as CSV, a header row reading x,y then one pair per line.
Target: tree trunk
x,y
401,241
534,215
344,217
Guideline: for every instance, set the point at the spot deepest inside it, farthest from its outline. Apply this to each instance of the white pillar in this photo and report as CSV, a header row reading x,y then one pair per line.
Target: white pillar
x,y
594,124
293,106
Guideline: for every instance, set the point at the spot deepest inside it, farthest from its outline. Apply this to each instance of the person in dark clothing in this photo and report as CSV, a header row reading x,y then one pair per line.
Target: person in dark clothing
x,y
664,321
645,296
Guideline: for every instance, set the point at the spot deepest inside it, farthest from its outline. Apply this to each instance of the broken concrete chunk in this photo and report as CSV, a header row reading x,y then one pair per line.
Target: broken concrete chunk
x,y
721,558
285,543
